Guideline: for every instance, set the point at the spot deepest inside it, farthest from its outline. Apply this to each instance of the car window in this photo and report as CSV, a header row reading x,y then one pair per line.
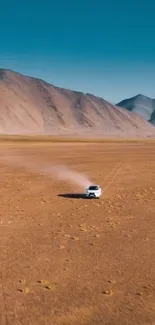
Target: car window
x,y
93,188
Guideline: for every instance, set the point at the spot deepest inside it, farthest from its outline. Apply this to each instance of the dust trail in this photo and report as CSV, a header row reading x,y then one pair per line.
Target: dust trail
x,y
59,172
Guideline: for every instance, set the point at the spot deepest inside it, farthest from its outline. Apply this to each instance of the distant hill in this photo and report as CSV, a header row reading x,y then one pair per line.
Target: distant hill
x,y
142,105
32,106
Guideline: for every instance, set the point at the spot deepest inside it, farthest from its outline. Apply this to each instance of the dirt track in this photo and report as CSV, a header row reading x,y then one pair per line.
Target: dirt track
x,y
74,261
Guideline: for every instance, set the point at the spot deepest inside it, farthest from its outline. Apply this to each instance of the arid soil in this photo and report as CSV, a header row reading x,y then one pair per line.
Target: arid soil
x,y
74,261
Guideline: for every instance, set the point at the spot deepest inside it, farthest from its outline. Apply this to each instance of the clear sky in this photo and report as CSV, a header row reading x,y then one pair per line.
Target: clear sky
x,y
102,47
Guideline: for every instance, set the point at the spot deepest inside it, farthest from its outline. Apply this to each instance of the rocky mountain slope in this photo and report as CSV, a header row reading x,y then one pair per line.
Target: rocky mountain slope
x,y
142,105
32,106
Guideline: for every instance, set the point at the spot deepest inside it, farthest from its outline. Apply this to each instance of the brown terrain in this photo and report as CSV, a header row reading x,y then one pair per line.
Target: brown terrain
x,y
32,106
68,260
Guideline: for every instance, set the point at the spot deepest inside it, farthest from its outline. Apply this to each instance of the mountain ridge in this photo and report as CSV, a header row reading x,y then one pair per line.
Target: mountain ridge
x,y
30,105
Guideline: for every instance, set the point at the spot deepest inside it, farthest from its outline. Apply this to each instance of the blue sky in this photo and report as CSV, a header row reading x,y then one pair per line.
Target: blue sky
x,y
103,47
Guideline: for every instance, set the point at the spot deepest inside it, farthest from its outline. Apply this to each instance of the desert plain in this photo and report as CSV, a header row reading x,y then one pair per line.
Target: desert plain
x,y
68,260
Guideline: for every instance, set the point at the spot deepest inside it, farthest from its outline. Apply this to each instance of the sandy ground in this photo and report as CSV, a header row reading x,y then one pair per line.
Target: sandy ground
x,y
75,261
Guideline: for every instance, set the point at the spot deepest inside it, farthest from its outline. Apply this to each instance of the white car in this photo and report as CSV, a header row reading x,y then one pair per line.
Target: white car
x,y
93,191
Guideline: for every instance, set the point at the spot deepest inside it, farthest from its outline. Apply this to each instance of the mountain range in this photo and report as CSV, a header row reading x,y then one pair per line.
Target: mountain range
x,y
32,106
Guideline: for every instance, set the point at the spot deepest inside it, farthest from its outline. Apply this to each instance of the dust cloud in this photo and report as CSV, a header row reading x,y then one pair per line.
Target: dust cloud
x,y
59,172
